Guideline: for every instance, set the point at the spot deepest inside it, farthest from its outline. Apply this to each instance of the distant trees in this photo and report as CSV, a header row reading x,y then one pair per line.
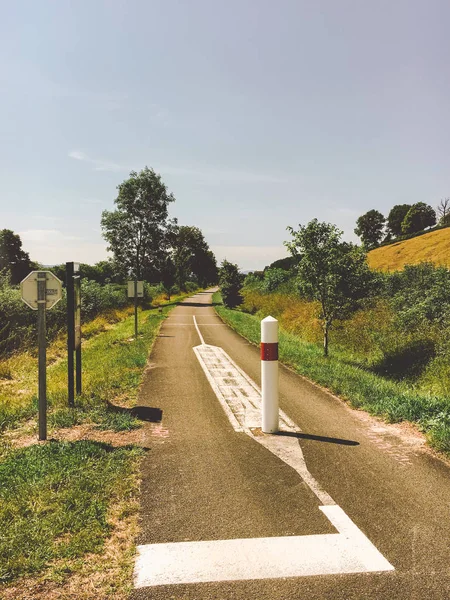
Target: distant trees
x,y
330,271
443,211
419,217
283,263
395,218
137,231
192,257
230,283
369,227
13,260
147,244
403,219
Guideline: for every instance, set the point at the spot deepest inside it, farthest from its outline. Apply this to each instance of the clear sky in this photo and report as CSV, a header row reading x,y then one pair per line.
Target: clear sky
x,y
258,114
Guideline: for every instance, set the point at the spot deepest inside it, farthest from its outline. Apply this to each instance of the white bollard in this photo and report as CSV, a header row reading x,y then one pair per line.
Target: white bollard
x,y
269,375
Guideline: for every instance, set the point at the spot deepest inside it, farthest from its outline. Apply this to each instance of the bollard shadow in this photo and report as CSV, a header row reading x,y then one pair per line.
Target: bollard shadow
x,y
317,438
144,413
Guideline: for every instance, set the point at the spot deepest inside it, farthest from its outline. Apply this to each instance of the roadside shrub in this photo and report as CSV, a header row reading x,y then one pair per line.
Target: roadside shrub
x,y
274,278
191,286
230,282
96,298
151,292
18,322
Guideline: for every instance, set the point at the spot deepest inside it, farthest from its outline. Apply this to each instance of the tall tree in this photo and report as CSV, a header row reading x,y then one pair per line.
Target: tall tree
x,y
192,257
330,271
369,227
230,282
12,258
168,274
137,231
395,218
419,217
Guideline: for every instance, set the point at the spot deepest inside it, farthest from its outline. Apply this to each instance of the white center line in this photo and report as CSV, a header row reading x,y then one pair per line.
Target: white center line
x,y
198,331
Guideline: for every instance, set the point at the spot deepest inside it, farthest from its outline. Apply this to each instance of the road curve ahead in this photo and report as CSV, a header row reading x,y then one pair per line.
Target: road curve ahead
x,y
336,506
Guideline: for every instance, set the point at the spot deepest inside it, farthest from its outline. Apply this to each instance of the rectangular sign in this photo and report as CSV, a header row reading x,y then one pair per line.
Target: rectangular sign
x,y
140,289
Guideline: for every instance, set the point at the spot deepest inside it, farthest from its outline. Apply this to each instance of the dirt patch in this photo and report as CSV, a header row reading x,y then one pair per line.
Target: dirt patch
x,y
19,439
113,438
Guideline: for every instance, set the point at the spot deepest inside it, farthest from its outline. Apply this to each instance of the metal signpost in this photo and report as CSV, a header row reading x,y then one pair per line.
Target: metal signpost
x,y
135,290
73,282
41,290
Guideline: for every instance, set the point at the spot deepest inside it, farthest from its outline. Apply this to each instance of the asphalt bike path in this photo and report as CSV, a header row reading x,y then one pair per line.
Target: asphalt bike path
x,y
337,506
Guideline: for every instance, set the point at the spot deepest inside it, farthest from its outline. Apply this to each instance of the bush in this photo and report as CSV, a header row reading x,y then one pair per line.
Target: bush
x,y
230,282
18,322
191,286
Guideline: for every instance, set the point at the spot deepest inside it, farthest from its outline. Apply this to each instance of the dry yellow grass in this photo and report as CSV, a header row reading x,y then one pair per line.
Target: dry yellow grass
x,y
431,247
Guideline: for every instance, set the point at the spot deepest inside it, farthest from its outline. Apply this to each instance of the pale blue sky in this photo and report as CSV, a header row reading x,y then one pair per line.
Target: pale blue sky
x,y
258,114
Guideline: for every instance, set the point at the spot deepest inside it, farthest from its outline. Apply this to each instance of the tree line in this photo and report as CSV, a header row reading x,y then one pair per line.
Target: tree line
x,y
146,244
373,227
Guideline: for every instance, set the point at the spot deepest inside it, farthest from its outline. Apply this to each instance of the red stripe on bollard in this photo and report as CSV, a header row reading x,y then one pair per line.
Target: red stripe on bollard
x,y
269,351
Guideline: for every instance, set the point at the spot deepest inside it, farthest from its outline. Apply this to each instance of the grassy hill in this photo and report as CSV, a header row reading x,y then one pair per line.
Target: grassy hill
x,y
430,247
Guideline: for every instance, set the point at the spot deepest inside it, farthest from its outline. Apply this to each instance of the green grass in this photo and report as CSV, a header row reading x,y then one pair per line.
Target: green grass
x,y
54,501
362,389
112,365
60,501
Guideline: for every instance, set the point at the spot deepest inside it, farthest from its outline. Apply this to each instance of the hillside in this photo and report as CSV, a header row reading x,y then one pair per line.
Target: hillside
x,y
430,247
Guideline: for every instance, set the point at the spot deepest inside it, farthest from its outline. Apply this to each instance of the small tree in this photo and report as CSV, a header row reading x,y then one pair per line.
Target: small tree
x,y
369,227
395,218
332,272
230,282
419,217
443,211
137,229
13,259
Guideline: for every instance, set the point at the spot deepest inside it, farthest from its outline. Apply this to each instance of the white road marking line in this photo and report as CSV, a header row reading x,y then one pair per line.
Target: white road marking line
x,y
198,331
348,551
234,422
360,543
240,398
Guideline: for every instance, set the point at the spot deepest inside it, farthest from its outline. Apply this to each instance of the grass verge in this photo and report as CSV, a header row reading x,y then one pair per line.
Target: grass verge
x,y
112,364
57,495
68,509
393,401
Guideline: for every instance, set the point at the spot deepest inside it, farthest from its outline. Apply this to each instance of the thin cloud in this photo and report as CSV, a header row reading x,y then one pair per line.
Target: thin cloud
x,y
218,175
203,175
98,164
78,155
46,235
